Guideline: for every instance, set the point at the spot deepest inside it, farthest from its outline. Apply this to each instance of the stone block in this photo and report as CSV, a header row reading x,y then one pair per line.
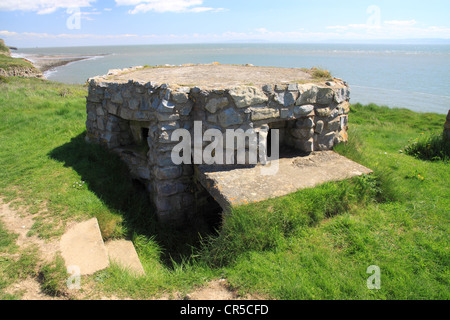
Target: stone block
x,y
264,113
117,98
133,104
334,125
247,96
168,173
216,104
82,246
323,112
319,127
324,96
166,106
303,110
342,94
305,123
230,117
308,95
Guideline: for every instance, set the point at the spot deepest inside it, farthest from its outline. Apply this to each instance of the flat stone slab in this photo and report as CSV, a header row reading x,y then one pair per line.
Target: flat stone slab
x,y
214,76
234,186
82,246
123,253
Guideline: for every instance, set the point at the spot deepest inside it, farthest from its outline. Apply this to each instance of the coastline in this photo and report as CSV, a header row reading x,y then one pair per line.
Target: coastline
x,y
47,63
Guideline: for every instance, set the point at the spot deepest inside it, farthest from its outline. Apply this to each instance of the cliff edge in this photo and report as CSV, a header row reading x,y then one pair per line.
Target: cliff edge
x,y
16,67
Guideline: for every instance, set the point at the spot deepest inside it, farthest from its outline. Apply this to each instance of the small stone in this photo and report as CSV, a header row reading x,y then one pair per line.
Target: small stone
x,y
100,111
168,173
268,88
344,107
326,142
342,94
319,127
303,133
305,123
180,97
303,110
308,95
166,106
117,98
230,117
185,109
111,108
263,113
133,104
334,125
323,112
216,104
286,113
247,96
325,96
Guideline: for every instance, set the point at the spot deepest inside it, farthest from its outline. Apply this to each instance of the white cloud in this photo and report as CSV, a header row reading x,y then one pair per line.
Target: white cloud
x,y
393,29
161,6
31,35
401,22
42,6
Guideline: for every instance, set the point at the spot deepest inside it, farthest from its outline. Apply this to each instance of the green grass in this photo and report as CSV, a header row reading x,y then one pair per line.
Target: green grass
x,y
313,244
318,73
3,47
431,147
15,263
9,63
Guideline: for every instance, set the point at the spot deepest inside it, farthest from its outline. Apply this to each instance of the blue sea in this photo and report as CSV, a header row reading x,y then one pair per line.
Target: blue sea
x,y
404,76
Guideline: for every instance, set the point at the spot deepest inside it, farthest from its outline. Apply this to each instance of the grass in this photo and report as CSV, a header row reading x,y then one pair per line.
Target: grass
x,y
313,244
318,73
8,63
3,47
431,147
15,263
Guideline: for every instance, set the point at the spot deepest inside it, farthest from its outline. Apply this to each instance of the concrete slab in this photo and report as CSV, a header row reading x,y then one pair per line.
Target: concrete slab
x,y
124,254
82,246
233,186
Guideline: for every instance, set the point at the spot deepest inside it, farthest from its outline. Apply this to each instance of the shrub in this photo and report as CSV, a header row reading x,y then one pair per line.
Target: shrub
x,y
432,148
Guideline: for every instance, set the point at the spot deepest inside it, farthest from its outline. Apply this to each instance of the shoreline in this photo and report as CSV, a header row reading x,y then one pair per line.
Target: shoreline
x,y
46,63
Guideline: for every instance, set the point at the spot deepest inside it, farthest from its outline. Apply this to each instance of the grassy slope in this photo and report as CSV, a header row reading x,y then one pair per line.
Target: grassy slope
x,y
3,47
406,236
9,63
313,244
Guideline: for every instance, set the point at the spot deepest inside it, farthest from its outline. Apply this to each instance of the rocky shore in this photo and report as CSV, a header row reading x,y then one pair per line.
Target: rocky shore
x,y
48,62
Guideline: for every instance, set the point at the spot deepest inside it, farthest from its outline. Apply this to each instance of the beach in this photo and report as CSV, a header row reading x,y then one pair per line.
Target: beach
x,y
47,63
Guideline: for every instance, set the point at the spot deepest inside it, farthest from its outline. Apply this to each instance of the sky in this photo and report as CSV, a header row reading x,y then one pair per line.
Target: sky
x,y
53,23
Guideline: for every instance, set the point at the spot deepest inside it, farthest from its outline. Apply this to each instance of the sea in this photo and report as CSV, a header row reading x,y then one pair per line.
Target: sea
x,y
416,77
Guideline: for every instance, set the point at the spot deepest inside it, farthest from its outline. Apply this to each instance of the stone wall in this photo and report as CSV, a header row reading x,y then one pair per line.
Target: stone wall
x,y
137,119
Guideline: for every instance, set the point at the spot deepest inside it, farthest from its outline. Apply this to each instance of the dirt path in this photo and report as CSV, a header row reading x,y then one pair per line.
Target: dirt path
x,y
20,222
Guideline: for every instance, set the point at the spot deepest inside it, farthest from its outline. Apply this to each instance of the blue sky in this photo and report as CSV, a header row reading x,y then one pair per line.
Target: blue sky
x,y
46,23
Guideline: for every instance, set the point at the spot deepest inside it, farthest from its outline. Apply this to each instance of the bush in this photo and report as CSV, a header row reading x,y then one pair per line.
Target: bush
x,y
432,148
